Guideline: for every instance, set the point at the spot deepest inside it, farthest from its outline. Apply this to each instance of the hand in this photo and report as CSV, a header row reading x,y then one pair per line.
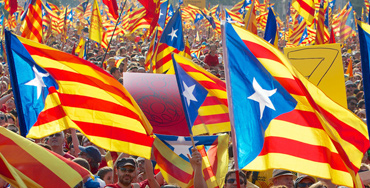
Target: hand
x,y
195,159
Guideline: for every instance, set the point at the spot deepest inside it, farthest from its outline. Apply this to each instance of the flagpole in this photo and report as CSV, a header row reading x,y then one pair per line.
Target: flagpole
x,y
229,96
111,38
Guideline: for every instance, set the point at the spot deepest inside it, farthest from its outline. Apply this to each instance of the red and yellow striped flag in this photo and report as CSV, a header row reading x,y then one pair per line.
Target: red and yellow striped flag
x,y
250,21
322,33
305,8
319,137
32,25
10,6
34,165
86,98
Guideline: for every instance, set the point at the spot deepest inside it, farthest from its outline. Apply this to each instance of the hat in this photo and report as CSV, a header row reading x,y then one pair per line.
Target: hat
x,y
349,83
92,151
299,179
126,162
278,172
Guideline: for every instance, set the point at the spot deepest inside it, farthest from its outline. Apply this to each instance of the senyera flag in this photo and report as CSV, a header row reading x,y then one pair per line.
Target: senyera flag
x,y
24,162
112,6
54,91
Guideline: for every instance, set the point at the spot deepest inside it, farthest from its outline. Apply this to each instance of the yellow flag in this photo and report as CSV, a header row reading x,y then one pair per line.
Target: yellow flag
x,y
96,29
80,45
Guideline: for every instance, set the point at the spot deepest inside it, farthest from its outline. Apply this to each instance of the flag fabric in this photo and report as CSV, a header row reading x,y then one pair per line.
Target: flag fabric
x,y
172,40
349,71
152,8
213,114
192,94
82,7
364,36
271,32
198,17
96,29
171,152
31,163
334,137
32,26
322,33
163,14
11,6
250,19
112,6
305,8
151,50
61,91
256,97
349,28
210,20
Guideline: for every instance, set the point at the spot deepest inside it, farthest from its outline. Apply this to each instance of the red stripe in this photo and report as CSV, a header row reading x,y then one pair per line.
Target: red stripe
x,y
302,150
213,157
189,68
170,168
115,133
62,56
212,119
28,165
306,7
62,75
212,100
301,118
5,171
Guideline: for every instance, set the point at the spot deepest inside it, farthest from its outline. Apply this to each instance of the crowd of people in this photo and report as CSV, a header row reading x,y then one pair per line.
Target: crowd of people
x,y
132,171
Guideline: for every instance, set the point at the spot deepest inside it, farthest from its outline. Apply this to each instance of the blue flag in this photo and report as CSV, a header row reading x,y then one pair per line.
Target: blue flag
x,y
271,28
30,79
257,97
304,36
198,17
210,20
192,94
163,14
218,12
172,34
228,17
364,36
170,11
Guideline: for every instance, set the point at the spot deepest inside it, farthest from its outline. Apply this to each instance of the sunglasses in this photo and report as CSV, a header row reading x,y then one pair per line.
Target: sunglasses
x,y
56,135
231,181
2,117
123,169
9,117
304,184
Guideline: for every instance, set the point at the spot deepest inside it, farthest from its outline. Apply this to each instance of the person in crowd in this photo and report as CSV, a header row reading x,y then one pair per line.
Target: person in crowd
x,y
304,181
106,174
56,142
282,177
92,155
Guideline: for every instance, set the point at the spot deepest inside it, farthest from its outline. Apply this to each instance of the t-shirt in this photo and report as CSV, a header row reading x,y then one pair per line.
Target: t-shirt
x,y
211,60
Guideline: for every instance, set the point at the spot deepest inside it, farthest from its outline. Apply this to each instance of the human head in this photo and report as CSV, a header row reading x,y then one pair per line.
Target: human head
x,y
111,62
126,170
352,103
91,154
304,181
10,118
140,164
82,162
350,87
106,175
230,179
114,71
282,177
56,140
2,119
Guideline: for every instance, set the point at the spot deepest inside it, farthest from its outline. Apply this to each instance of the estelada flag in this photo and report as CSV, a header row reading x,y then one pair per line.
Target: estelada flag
x,y
112,6
61,91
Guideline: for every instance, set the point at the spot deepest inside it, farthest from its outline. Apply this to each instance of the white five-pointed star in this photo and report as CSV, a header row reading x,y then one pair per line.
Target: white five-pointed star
x,y
198,16
173,33
248,1
170,13
228,19
188,93
160,13
242,10
262,97
181,146
37,81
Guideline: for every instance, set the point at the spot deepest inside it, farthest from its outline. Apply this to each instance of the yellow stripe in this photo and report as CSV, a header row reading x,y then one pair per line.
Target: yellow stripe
x,y
29,182
171,179
288,162
38,132
75,88
119,146
50,161
104,118
308,135
212,110
211,129
172,157
222,158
